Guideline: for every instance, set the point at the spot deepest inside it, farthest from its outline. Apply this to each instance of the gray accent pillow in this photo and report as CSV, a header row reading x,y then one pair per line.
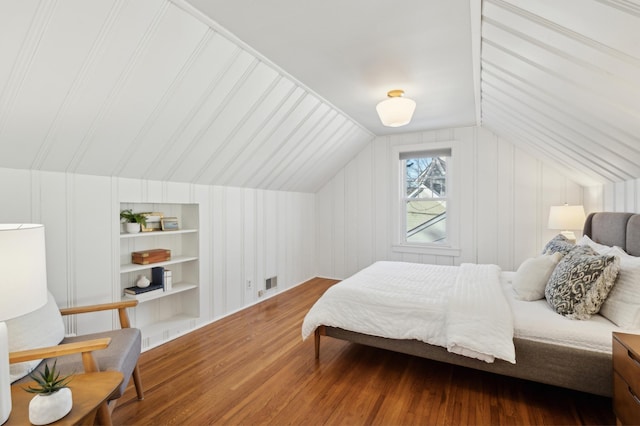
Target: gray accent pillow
x,y
558,244
581,282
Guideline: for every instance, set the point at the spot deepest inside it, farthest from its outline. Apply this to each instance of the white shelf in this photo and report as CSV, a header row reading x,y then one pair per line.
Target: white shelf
x,y
133,267
162,315
156,233
156,294
168,323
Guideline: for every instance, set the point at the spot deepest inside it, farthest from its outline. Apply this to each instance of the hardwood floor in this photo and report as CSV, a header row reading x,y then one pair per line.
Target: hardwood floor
x,y
253,368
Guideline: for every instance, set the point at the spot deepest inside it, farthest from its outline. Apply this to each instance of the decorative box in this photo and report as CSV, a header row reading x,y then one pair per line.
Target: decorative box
x,y
146,257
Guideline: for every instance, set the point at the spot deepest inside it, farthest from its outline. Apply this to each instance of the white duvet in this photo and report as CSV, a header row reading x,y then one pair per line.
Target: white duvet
x,y
463,308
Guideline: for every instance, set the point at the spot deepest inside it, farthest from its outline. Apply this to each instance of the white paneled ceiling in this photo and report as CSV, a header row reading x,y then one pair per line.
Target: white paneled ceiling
x,y
281,94
562,80
145,89
353,52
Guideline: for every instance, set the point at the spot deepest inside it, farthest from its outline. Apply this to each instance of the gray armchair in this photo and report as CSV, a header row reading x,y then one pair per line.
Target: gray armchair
x,y
115,350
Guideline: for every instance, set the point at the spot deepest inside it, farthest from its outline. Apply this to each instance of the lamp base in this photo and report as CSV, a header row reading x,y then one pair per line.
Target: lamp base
x,y
569,236
5,384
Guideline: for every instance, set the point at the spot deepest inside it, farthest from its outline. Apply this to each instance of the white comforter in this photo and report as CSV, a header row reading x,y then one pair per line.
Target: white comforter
x,y
461,308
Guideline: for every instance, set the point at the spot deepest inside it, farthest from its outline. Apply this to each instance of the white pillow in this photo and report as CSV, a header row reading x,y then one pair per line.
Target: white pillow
x,y
531,278
38,329
599,248
622,306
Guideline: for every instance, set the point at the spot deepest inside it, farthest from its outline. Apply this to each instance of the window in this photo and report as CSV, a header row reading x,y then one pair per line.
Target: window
x,y
425,199
424,216
425,196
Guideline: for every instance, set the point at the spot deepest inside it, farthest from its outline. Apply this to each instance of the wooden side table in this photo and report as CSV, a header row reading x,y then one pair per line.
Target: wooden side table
x,y
89,391
626,378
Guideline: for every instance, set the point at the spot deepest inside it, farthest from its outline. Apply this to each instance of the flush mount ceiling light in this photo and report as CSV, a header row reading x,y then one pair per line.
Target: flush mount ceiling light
x,y
396,111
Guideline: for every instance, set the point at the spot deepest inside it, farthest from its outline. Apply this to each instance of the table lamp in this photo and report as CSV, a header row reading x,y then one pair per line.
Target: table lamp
x,y
23,289
566,218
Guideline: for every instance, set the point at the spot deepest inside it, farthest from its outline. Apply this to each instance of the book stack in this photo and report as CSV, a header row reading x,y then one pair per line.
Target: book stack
x,y
136,291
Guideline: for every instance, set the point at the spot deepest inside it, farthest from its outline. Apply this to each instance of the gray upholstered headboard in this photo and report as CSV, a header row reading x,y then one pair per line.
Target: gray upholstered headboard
x,y
615,229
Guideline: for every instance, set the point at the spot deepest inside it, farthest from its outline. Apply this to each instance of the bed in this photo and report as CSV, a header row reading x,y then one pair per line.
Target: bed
x,y
548,348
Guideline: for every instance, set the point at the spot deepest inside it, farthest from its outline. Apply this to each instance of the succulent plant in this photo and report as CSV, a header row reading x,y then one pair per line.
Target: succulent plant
x,y
48,381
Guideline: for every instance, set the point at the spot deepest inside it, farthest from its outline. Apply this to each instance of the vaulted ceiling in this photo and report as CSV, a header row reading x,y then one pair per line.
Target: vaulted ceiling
x,y
281,94
562,80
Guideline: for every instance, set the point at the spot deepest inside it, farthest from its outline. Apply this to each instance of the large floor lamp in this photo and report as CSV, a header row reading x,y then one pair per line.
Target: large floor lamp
x,y
23,289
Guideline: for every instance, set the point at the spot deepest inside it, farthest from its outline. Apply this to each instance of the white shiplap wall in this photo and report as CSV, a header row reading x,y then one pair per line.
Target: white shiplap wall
x,y
505,201
620,197
245,234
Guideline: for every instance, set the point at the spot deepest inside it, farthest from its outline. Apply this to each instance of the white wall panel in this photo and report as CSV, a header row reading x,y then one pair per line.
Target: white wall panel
x,y
526,202
244,234
217,237
90,243
354,213
487,198
381,182
233,247
620,196
249,245
505,196
325,228
594,198
53,207
468,194
364,197
338,236
272,236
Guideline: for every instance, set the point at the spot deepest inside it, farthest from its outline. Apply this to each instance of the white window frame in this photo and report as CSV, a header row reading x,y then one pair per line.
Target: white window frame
x,y
450,247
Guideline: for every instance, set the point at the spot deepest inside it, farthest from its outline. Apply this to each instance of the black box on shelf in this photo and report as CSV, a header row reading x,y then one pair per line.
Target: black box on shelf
x,y
157,276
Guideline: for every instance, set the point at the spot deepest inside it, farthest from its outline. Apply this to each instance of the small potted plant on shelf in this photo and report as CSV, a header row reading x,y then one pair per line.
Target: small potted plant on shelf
x,y
53,398
132,220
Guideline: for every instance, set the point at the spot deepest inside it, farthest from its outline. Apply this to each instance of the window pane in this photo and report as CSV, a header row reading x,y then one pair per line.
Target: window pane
x,y
425,177
426,221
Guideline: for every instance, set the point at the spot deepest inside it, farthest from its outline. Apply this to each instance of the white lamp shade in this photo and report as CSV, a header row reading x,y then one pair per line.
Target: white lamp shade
x,y
23,269
566,217
396,111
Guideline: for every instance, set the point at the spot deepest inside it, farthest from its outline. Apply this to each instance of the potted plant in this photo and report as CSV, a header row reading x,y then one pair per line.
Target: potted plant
x,y
132,220
53,398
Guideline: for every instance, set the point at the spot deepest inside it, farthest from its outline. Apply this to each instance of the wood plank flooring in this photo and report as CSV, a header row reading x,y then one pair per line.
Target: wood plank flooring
x,y
252,368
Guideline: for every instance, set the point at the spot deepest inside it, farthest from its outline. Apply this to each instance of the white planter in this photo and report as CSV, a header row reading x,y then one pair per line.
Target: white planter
x,y
132,228
45,409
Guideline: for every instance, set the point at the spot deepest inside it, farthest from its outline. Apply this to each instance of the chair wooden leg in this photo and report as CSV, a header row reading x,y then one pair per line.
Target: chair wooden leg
x,y
138,382
103,417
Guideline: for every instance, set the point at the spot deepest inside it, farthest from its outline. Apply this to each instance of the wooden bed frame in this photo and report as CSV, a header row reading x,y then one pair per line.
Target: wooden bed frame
x,y
577,369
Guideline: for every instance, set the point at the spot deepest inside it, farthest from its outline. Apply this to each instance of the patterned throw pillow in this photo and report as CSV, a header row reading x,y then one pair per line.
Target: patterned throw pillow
x,y
581,282
558,244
